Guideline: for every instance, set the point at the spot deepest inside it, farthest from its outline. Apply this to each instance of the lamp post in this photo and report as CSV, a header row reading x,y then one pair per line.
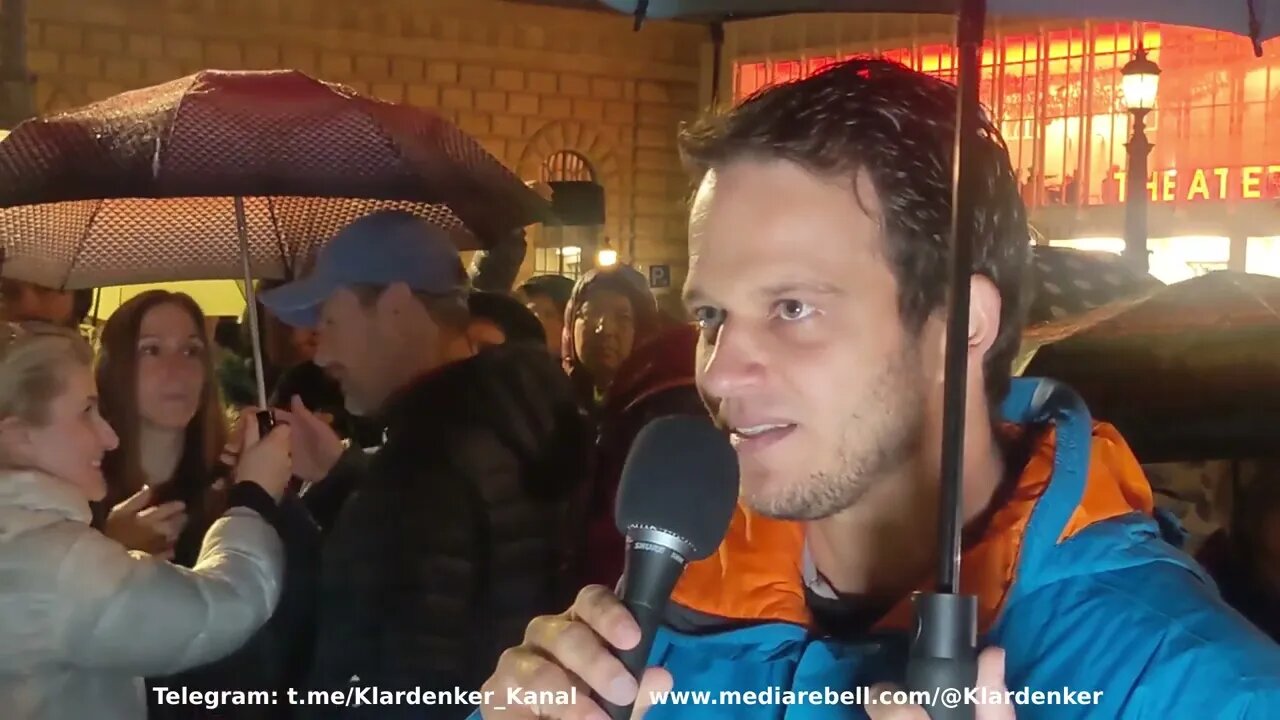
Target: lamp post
x,y
1140,79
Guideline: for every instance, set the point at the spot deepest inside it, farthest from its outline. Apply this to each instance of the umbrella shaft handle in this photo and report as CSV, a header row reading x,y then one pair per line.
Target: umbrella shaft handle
x,y
942,663
266,421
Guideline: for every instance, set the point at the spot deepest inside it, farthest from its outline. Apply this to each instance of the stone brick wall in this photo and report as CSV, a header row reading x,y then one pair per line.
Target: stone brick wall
x,y
527,81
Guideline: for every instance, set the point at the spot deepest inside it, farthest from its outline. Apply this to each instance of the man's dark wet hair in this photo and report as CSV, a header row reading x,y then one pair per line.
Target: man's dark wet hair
x,y
516,321
896,125
556,288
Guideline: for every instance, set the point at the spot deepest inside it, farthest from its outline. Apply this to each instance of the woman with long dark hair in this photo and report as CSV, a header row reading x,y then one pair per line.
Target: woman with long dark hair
x,y
158,389
155,370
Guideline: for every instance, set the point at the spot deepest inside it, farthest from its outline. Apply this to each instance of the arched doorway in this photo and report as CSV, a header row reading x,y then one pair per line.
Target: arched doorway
x,y
562,250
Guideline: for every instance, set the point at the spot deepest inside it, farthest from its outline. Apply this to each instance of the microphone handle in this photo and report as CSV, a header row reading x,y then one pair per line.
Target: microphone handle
x,y
634,660
650,575
943,658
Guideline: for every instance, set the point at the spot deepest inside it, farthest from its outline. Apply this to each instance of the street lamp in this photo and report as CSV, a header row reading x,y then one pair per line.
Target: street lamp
x,y
1140,79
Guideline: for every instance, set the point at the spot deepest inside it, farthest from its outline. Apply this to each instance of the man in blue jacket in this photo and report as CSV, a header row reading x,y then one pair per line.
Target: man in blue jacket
x,y
818,246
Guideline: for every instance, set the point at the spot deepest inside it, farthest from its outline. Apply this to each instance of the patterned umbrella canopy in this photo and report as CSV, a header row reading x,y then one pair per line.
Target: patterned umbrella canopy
x,y
1191,371
139,187
1071,282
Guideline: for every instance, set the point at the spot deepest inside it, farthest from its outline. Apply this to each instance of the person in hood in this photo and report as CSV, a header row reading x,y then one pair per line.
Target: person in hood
x,y
655,381
454,533
819,265
610,313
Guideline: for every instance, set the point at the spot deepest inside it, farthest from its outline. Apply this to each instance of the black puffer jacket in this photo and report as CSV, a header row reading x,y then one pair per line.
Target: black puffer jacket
x,y
458,533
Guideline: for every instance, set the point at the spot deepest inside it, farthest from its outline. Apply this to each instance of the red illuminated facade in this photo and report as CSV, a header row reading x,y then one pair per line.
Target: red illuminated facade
x,y
1057,94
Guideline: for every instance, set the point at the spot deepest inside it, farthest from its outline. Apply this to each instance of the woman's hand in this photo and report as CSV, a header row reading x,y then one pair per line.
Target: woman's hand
x,y
137,526
266,461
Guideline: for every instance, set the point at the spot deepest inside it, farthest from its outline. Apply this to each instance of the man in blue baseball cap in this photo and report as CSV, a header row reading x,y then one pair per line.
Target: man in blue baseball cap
x,y
390,292
451,536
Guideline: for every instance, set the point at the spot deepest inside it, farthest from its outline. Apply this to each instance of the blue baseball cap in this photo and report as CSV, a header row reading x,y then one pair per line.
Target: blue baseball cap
x,y
380,249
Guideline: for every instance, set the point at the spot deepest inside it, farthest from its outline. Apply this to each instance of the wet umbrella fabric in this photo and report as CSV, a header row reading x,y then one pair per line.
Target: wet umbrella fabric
x,y
1189,371
1255,19
144,180
1067,282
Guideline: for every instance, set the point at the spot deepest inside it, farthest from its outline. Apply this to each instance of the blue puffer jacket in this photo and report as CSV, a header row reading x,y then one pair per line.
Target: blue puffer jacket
x,y
1108,609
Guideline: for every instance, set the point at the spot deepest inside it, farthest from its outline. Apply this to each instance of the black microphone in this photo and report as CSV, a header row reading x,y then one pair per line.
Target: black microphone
x,y
677,495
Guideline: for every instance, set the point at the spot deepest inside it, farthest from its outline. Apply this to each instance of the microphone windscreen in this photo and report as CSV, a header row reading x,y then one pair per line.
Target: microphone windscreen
x,y
680,477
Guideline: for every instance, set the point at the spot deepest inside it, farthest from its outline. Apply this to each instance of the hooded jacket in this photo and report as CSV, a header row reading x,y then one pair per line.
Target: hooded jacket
x,y
621,279
1073,580
82,620
656,380
457,533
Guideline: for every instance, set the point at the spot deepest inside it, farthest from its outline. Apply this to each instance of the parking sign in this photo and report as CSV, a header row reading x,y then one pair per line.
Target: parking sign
x,y
659,276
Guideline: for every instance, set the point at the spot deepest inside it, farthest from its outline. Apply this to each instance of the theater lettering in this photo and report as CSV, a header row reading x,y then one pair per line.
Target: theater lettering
x,y
1251,182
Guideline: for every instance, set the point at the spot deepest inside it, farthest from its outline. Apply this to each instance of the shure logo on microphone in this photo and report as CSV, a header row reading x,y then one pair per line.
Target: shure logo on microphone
x,y
659,549
659,541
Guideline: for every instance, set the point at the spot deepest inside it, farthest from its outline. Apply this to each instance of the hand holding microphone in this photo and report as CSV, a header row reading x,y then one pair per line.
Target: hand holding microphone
x,y
677,495
574,650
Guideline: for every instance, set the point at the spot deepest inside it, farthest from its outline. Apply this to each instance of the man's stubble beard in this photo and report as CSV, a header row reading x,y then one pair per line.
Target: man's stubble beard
x,y
898,398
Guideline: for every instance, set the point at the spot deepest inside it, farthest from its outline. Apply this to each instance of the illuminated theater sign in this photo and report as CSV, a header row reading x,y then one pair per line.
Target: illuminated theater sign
x,y
1249,182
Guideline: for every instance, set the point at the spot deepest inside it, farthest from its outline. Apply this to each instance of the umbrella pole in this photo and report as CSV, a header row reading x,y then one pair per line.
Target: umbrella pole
x,y
251,298
943,654
968,114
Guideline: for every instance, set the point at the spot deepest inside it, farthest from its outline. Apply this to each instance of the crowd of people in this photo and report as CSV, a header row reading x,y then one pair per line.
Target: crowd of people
x,y
432,478
438,482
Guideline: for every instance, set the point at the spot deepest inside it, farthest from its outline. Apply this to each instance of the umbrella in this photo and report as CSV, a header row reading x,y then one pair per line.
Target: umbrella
x,y
147,185
1189,371
98,243
261,133
946,620
139,187
1068,282
1258,20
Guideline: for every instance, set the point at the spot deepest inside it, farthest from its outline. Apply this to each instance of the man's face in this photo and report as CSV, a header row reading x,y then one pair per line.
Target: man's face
x,y
552,319
355,348
804,356
42,304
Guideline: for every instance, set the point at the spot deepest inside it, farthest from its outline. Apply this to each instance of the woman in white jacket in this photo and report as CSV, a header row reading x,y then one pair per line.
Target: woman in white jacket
x,y
82,620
